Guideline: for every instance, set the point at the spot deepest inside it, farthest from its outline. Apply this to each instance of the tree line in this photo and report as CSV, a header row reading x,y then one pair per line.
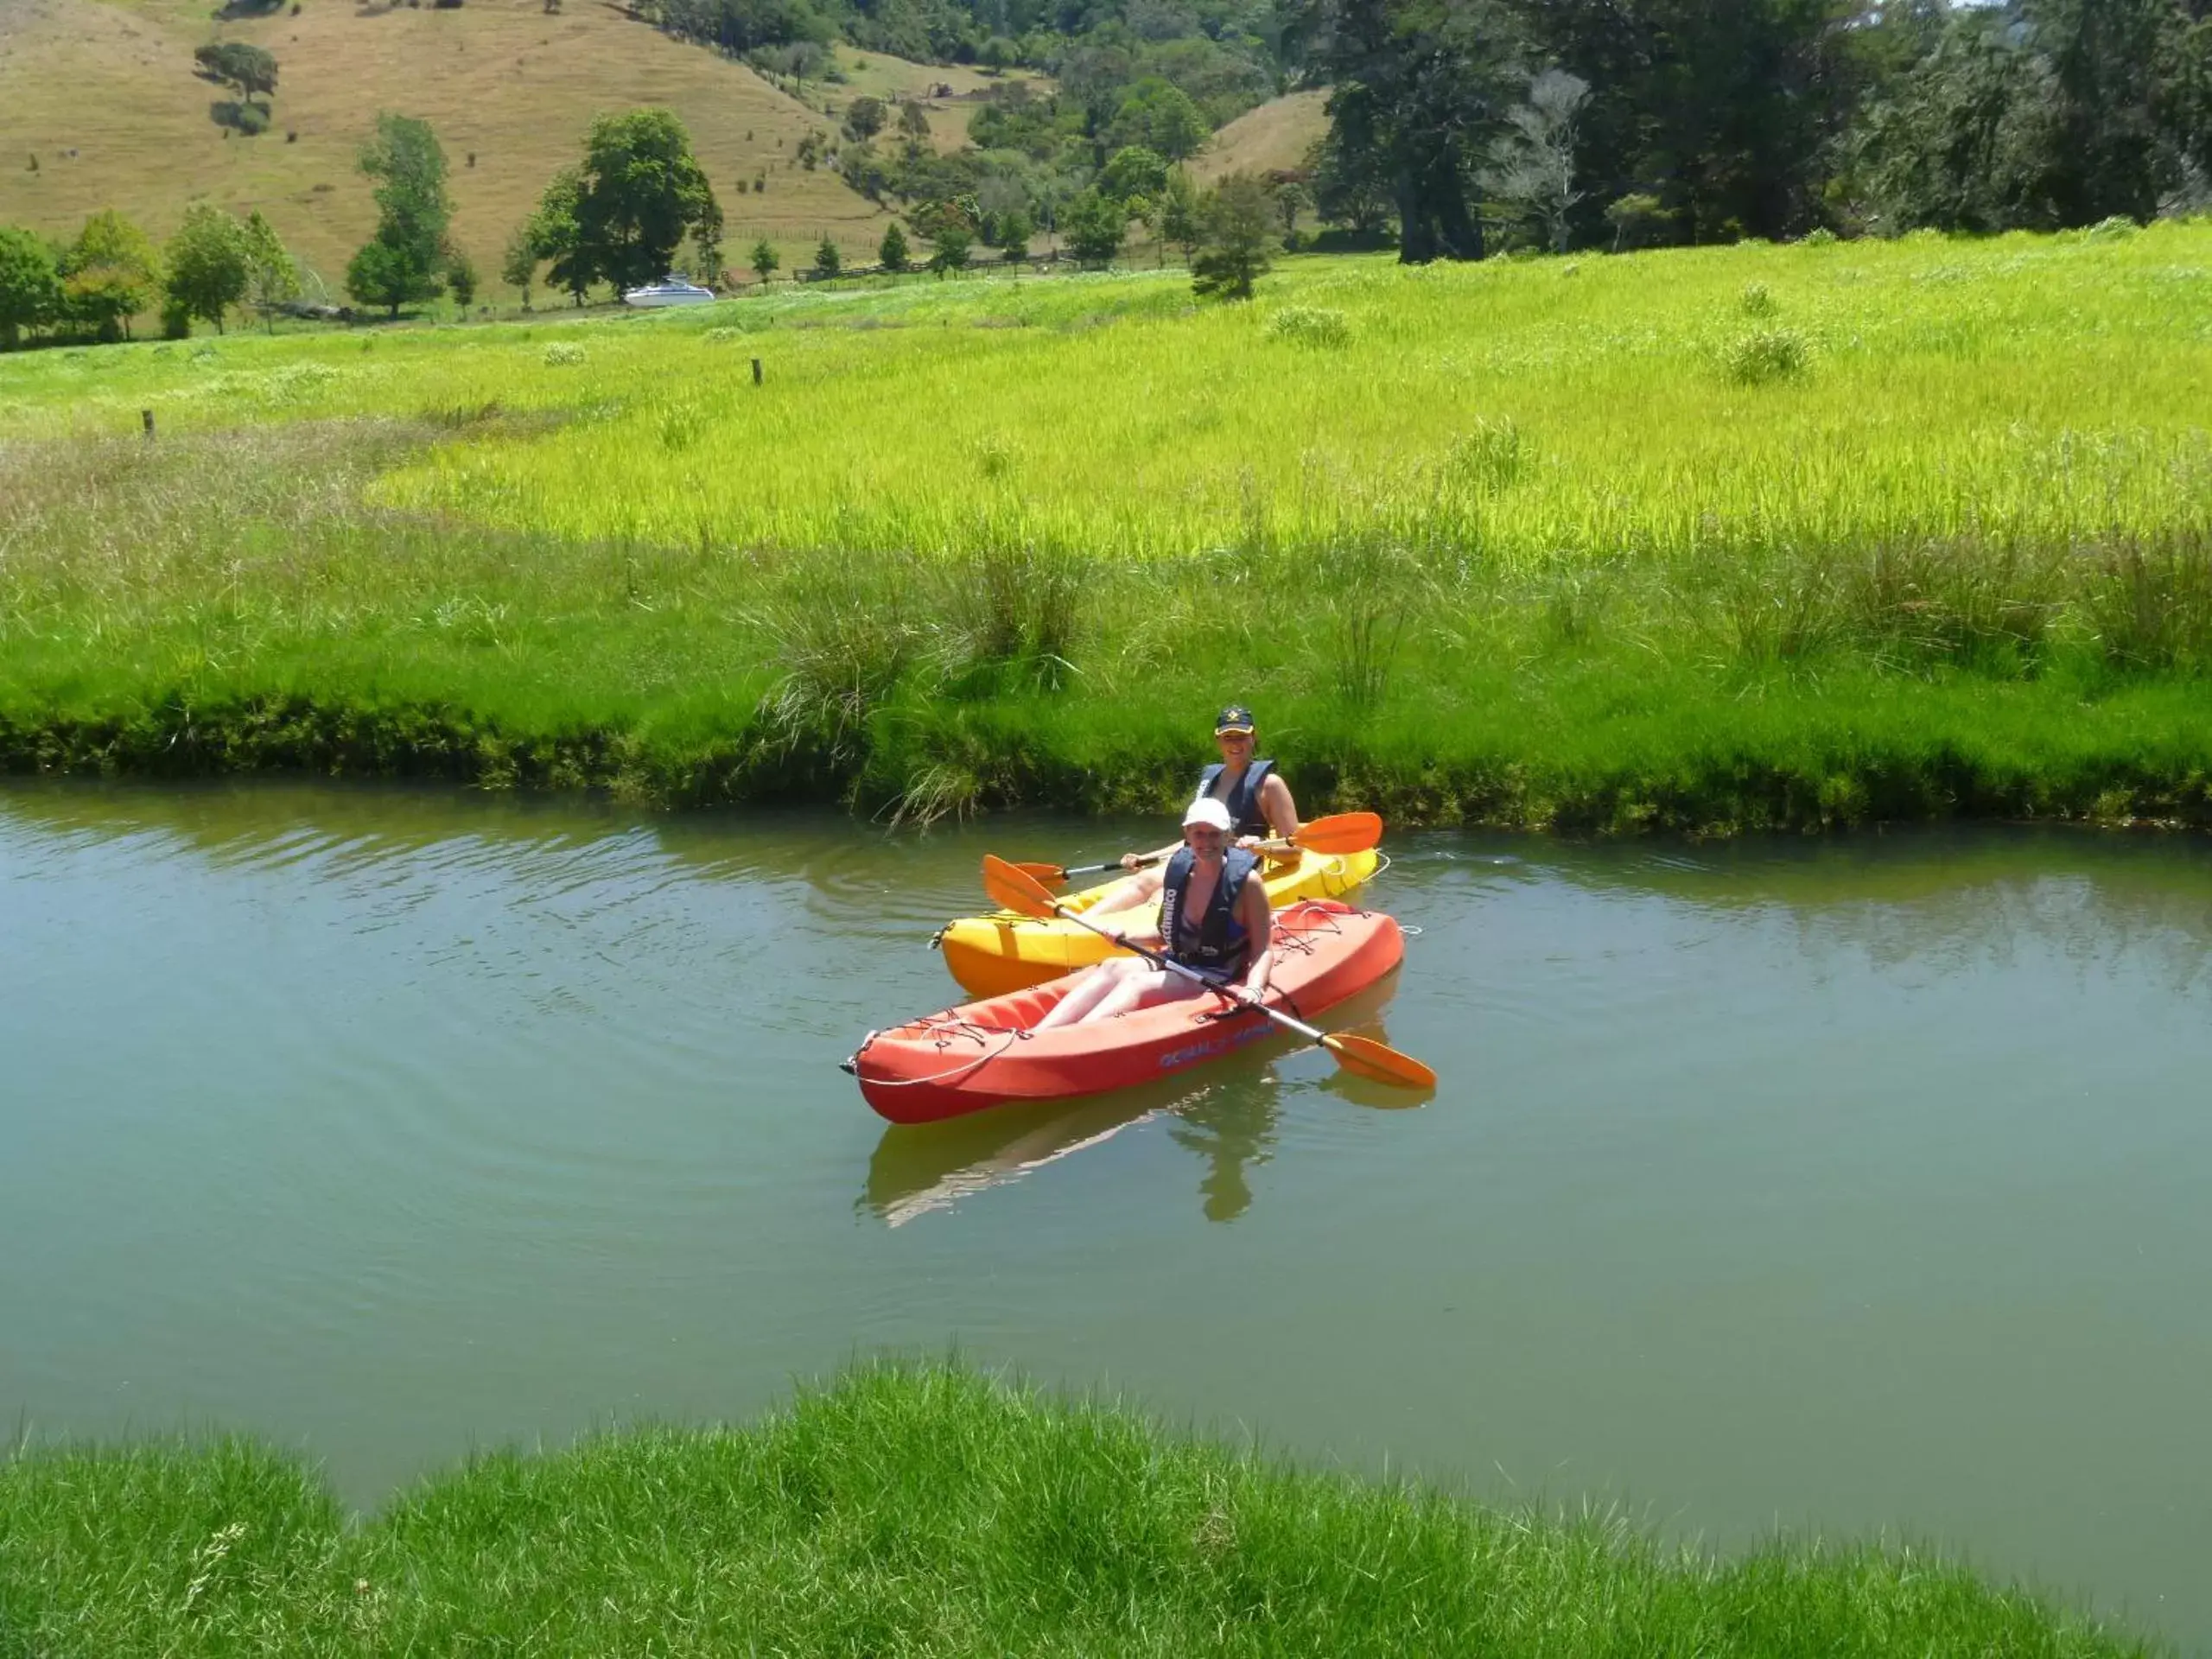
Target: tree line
x,y
1461,124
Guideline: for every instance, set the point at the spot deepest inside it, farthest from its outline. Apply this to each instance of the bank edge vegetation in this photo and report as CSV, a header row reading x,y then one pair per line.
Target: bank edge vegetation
x,y
1701,539
921,1509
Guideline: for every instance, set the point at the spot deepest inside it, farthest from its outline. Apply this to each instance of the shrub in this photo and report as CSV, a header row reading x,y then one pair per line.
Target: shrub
x,y
1766,355
1310,325
1758,301
564,353
1821,237
1489,456
2117,228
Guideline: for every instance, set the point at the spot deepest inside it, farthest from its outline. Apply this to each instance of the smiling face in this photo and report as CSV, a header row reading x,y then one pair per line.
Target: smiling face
x,y
1235,747
1204,839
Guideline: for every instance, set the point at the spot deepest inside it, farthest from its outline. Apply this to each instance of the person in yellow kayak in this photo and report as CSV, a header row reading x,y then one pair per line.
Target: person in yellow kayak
x,y
1258,801
1214,917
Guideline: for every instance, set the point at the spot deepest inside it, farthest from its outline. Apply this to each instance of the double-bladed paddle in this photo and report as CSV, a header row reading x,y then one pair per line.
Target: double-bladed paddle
x,y
1011,886
1340,832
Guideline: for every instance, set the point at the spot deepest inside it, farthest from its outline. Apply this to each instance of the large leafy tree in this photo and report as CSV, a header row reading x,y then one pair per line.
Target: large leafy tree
x,y
621,217
209,265
1159,116
30,286
109,274
401,262
1094,224
1420,89
251,69
1728,113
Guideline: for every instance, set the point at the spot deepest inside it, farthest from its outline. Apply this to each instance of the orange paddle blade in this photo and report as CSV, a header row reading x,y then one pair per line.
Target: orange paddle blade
x,y
1012,887
1341,832
1047,875
1378,1060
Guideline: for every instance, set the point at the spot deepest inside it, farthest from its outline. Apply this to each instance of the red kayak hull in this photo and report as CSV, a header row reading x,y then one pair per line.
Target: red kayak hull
x,y
984,1054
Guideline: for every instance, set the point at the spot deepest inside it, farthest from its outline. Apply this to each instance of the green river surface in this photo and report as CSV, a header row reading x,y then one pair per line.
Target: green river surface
x,y
1860,1186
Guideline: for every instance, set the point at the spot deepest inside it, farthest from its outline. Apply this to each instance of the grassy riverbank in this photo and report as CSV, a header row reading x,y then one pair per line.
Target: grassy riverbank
x,y
1705,538
922,1511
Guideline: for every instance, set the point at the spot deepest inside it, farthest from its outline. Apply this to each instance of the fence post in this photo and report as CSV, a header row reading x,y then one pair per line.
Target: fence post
x,y
146,420
756,381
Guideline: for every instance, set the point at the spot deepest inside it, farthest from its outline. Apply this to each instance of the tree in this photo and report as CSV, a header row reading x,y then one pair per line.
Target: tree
x,y
1094,224
1635,219
865,118
639,192
1730,114
208,264
519,264
765,261
30,284
1419,87
1350,186
1292,199
893,250
460,278
1177,207
400,263
1532,164
250,69
109,274
1235,229
1133,172
1158,116
1011,229
950,251
828,262
1963,139
913,123
553,235
271,277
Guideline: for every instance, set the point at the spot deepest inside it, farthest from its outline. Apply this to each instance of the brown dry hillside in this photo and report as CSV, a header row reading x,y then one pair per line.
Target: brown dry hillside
x,y
104,96
1274,138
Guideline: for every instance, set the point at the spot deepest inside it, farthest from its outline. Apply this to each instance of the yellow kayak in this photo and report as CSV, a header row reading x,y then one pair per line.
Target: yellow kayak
x,y
1006,951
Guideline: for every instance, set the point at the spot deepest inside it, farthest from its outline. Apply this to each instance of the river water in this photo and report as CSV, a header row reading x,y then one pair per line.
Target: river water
x,y
1859,1185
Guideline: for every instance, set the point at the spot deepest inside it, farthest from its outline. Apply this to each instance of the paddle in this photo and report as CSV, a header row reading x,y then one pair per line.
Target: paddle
x,y
1012,888
1340,832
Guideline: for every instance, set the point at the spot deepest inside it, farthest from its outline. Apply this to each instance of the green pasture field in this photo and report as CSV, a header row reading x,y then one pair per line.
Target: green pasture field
x,y
922,1510
1697,538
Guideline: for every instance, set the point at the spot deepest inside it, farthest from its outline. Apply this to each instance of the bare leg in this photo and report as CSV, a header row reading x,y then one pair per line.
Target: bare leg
x,y
1089,991
1139,991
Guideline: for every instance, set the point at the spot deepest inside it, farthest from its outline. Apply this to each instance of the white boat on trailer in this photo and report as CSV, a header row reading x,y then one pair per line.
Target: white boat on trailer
x,y
672,289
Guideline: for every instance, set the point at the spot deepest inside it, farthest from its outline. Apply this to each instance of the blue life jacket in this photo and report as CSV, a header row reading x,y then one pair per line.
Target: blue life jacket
x,y
1245,816
1215,943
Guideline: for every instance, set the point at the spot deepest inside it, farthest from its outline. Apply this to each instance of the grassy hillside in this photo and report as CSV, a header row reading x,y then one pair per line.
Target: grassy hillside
x,y
499,78
923,1512
1275,136
1701,538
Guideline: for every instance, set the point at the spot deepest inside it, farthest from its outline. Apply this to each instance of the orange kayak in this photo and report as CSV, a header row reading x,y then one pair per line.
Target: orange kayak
x,y
985,1054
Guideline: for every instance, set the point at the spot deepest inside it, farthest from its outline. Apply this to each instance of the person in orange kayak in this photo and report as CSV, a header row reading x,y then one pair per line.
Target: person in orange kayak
x,y
1214,917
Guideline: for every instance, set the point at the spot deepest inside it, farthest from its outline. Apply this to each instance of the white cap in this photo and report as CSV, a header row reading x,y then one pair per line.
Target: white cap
x,y
1207,810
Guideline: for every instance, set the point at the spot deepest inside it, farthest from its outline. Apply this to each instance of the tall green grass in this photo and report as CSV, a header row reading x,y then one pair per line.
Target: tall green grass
x,y
1702,538
922,1509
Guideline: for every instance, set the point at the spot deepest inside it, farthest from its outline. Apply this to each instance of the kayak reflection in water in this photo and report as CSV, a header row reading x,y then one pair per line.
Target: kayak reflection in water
x,y
1258,800
1214,917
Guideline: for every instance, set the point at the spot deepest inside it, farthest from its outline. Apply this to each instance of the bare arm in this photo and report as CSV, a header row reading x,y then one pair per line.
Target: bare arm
x,y
1259,920
1281,810
1138,860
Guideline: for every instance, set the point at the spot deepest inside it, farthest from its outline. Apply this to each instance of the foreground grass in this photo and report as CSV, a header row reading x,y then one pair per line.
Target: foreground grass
x,y
918,1511
1706,539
